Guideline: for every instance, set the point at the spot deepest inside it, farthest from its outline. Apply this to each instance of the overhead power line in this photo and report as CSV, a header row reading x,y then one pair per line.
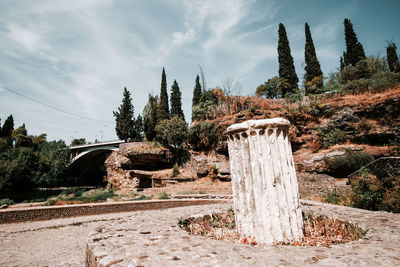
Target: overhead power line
x,y
52,107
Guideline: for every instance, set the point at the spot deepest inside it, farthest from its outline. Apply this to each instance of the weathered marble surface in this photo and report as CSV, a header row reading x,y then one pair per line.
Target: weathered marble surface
x,y
264,182
152,238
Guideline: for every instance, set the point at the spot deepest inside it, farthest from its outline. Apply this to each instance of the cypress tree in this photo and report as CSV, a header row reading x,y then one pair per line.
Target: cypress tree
x,y
312,68
8,127
176,101
392,58
124,119
341,63
139,128
150,112
196,92
163,109
354,49
286,65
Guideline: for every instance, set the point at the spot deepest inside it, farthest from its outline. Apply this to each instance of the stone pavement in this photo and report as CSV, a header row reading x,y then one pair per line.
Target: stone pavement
x,y
152,238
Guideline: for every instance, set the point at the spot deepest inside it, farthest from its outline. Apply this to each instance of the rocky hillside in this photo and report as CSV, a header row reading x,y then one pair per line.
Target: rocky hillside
x,y
321,126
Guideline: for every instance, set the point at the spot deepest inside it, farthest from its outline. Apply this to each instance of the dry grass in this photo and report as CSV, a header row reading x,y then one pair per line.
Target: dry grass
x,y
319,230
220,226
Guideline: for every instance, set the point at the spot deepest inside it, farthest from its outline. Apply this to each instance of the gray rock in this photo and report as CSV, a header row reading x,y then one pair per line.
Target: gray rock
x,y
202,172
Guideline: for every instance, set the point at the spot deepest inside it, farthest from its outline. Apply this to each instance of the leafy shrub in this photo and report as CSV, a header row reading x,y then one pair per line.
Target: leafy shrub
x,y
208,101
172,133
333,197
328,136
50,202
359,71
204,135
314,112
6,201
384,80
175,170
357,86
273,88
96,195
143,197
348,163
314,86
214,169
76,191
163,195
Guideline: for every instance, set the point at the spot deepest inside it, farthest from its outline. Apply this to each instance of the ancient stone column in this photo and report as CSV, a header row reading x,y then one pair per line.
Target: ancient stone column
x,y
264,182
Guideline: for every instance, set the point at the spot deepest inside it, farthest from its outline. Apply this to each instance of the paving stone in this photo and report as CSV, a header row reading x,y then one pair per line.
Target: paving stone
x,y
168,245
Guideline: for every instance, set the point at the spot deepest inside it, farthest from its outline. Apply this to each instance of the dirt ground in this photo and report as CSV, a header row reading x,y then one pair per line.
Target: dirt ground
x,y
312,186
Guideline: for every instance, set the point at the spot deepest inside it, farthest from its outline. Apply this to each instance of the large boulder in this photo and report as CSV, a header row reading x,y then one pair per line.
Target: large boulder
x,y
131,166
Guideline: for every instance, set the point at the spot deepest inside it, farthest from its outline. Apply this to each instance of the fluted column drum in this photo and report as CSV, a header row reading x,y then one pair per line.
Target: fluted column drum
x,y
264,182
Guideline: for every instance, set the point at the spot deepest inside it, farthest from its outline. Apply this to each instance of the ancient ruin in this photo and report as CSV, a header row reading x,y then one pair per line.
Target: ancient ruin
x,y
264,183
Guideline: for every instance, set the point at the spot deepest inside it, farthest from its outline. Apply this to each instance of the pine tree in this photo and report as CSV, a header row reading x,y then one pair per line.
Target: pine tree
x,y
176,101
150,112
8,127
286,65
125,121
354,49
392,58
163,109
312,68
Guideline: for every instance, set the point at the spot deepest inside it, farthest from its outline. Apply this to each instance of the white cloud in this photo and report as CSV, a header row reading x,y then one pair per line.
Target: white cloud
x,y
50,6
30,38
180,38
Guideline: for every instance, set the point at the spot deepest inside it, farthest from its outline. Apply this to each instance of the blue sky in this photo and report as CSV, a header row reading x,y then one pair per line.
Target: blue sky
x,y
78,55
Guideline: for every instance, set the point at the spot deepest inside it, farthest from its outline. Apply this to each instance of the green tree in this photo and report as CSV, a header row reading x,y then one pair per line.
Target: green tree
x,y
341,65
8,127
312,68
124,118
53,160
392,58
172,133
286,64
354,49
208,101
18,169
139,128
204,135
176,101
39,139
21,137
273,88
78,141
163,109
196,93
150,112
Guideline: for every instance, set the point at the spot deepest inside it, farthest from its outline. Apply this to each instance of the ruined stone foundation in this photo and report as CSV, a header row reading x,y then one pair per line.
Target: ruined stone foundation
x,y
264,183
